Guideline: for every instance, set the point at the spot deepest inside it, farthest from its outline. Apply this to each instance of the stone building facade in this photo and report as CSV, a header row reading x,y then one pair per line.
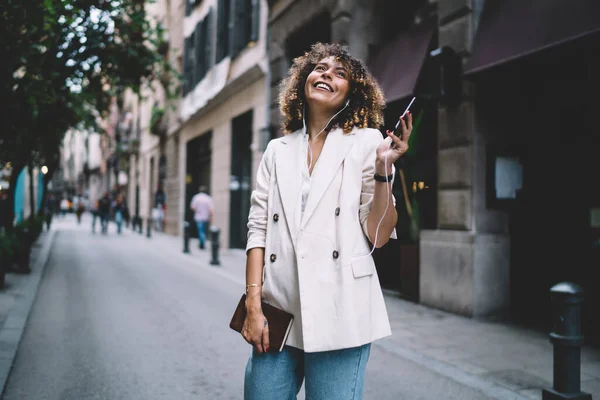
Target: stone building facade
x,y
475,255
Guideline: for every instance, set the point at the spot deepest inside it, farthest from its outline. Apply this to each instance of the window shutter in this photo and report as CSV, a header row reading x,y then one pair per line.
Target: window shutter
x,y
233,4
241,26
254,31
222,29
200,59
186,66
208,39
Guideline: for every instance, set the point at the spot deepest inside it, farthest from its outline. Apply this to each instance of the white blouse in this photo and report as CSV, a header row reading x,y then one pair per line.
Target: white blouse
x,y
306,179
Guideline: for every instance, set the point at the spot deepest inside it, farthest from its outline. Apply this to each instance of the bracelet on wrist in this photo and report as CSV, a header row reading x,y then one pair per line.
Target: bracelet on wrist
x,y
384,179
252,285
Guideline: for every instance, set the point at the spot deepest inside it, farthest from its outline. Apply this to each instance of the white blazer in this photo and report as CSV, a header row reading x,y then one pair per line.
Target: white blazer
x,y
320,270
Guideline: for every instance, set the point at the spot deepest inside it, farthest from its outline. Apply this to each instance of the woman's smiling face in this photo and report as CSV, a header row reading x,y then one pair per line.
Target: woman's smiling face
x,y
328,85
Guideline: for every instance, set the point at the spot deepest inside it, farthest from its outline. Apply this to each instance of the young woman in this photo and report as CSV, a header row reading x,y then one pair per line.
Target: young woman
x,y
322,200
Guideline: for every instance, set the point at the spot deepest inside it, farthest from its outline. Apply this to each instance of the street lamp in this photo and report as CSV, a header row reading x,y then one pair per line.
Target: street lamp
x,y
44,170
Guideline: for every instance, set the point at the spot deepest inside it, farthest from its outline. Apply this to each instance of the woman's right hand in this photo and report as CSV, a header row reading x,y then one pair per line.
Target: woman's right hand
x,y
256,330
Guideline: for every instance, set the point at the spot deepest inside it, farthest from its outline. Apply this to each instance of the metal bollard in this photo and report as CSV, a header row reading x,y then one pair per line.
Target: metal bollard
x,y
186,237
567,340
149,228
214,245
140,225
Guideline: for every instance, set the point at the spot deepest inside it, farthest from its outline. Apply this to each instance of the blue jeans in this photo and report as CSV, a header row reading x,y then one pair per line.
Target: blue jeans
x,y
201,232
119,220
328,375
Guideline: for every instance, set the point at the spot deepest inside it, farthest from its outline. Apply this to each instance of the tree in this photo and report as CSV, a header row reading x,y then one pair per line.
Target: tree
x,y
63,60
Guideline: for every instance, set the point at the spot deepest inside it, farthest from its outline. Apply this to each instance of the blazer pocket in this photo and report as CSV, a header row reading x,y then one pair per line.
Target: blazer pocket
x,y
362,266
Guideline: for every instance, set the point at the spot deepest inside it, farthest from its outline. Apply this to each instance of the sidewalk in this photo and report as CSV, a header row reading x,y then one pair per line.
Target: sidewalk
x,y
16,300
503,361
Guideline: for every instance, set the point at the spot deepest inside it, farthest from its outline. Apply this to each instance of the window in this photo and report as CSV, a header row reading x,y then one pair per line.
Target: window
x,y
246,20
238,24
223,28
189,6
198,57
189,63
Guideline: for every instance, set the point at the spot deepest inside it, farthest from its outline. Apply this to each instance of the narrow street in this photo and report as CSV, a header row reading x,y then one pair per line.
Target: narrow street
x,y
124,318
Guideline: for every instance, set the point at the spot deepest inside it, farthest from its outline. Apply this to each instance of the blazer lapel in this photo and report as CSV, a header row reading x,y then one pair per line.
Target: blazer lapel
x,y
334,152
289,177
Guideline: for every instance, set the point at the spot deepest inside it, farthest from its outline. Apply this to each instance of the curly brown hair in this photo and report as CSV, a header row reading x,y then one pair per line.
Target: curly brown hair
x,y
366,97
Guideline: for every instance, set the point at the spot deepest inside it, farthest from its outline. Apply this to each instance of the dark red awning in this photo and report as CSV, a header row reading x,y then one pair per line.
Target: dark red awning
x,y
397,64
511,29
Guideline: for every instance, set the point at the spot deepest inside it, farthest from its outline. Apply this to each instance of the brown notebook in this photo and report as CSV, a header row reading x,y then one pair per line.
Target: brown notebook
x,y
280,323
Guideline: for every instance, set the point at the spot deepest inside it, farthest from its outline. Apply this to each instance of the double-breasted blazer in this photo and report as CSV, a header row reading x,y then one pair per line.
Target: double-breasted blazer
x,y
318,267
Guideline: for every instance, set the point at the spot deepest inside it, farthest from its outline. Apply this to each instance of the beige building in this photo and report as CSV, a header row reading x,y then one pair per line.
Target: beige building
x,y
143,129
223,111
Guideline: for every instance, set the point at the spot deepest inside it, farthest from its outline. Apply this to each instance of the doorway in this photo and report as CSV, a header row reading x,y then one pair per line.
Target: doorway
x,y
240,183
198,172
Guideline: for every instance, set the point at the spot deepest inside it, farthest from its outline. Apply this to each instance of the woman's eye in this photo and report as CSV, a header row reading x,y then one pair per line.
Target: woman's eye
x,y
319,68
342,74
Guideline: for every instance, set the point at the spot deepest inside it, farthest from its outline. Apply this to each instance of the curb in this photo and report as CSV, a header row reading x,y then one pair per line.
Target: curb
x,y
14,325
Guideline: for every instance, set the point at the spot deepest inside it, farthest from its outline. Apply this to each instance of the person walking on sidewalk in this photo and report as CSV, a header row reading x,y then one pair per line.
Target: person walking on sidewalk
x,y
118,210
202,205
79,211
104,212
321,191
95,211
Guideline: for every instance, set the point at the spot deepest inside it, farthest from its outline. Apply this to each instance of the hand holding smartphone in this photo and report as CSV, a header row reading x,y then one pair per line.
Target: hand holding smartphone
x,y
392,145
403,114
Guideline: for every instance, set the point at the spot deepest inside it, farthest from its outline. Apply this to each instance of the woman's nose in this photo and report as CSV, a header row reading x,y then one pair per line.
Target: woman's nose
x,y
326,74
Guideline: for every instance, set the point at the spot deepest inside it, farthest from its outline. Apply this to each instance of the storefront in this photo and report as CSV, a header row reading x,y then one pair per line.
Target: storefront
x,y
536,108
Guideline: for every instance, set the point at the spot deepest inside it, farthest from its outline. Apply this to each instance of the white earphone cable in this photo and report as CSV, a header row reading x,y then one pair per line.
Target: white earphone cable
x,y
310,141
387,186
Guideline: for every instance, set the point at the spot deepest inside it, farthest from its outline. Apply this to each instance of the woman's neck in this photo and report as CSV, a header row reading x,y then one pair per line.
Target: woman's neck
x,y
316,122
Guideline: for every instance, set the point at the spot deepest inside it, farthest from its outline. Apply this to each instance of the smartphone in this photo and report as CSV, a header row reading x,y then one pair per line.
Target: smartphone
x,y
392,145
403,114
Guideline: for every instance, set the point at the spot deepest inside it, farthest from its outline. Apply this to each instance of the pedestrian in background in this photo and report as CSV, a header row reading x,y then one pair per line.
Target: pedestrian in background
x,y
118,208
104,211
126,213
5,214
95,214
321,191
202,205
64,207
49,209
160,200
80,210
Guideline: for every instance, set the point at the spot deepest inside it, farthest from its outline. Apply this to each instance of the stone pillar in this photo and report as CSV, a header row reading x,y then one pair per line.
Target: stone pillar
x,y
465,262
171,186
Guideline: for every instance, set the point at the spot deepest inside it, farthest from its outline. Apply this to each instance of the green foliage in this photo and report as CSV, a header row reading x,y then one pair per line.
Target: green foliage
x,y
156,120
409,222
63,60
8,245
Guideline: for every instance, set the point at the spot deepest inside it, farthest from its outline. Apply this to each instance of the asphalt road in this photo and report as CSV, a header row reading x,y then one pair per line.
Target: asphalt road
x,y
123,318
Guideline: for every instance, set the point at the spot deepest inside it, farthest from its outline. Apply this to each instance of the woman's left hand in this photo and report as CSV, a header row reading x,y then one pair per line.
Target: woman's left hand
x,y
399,145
